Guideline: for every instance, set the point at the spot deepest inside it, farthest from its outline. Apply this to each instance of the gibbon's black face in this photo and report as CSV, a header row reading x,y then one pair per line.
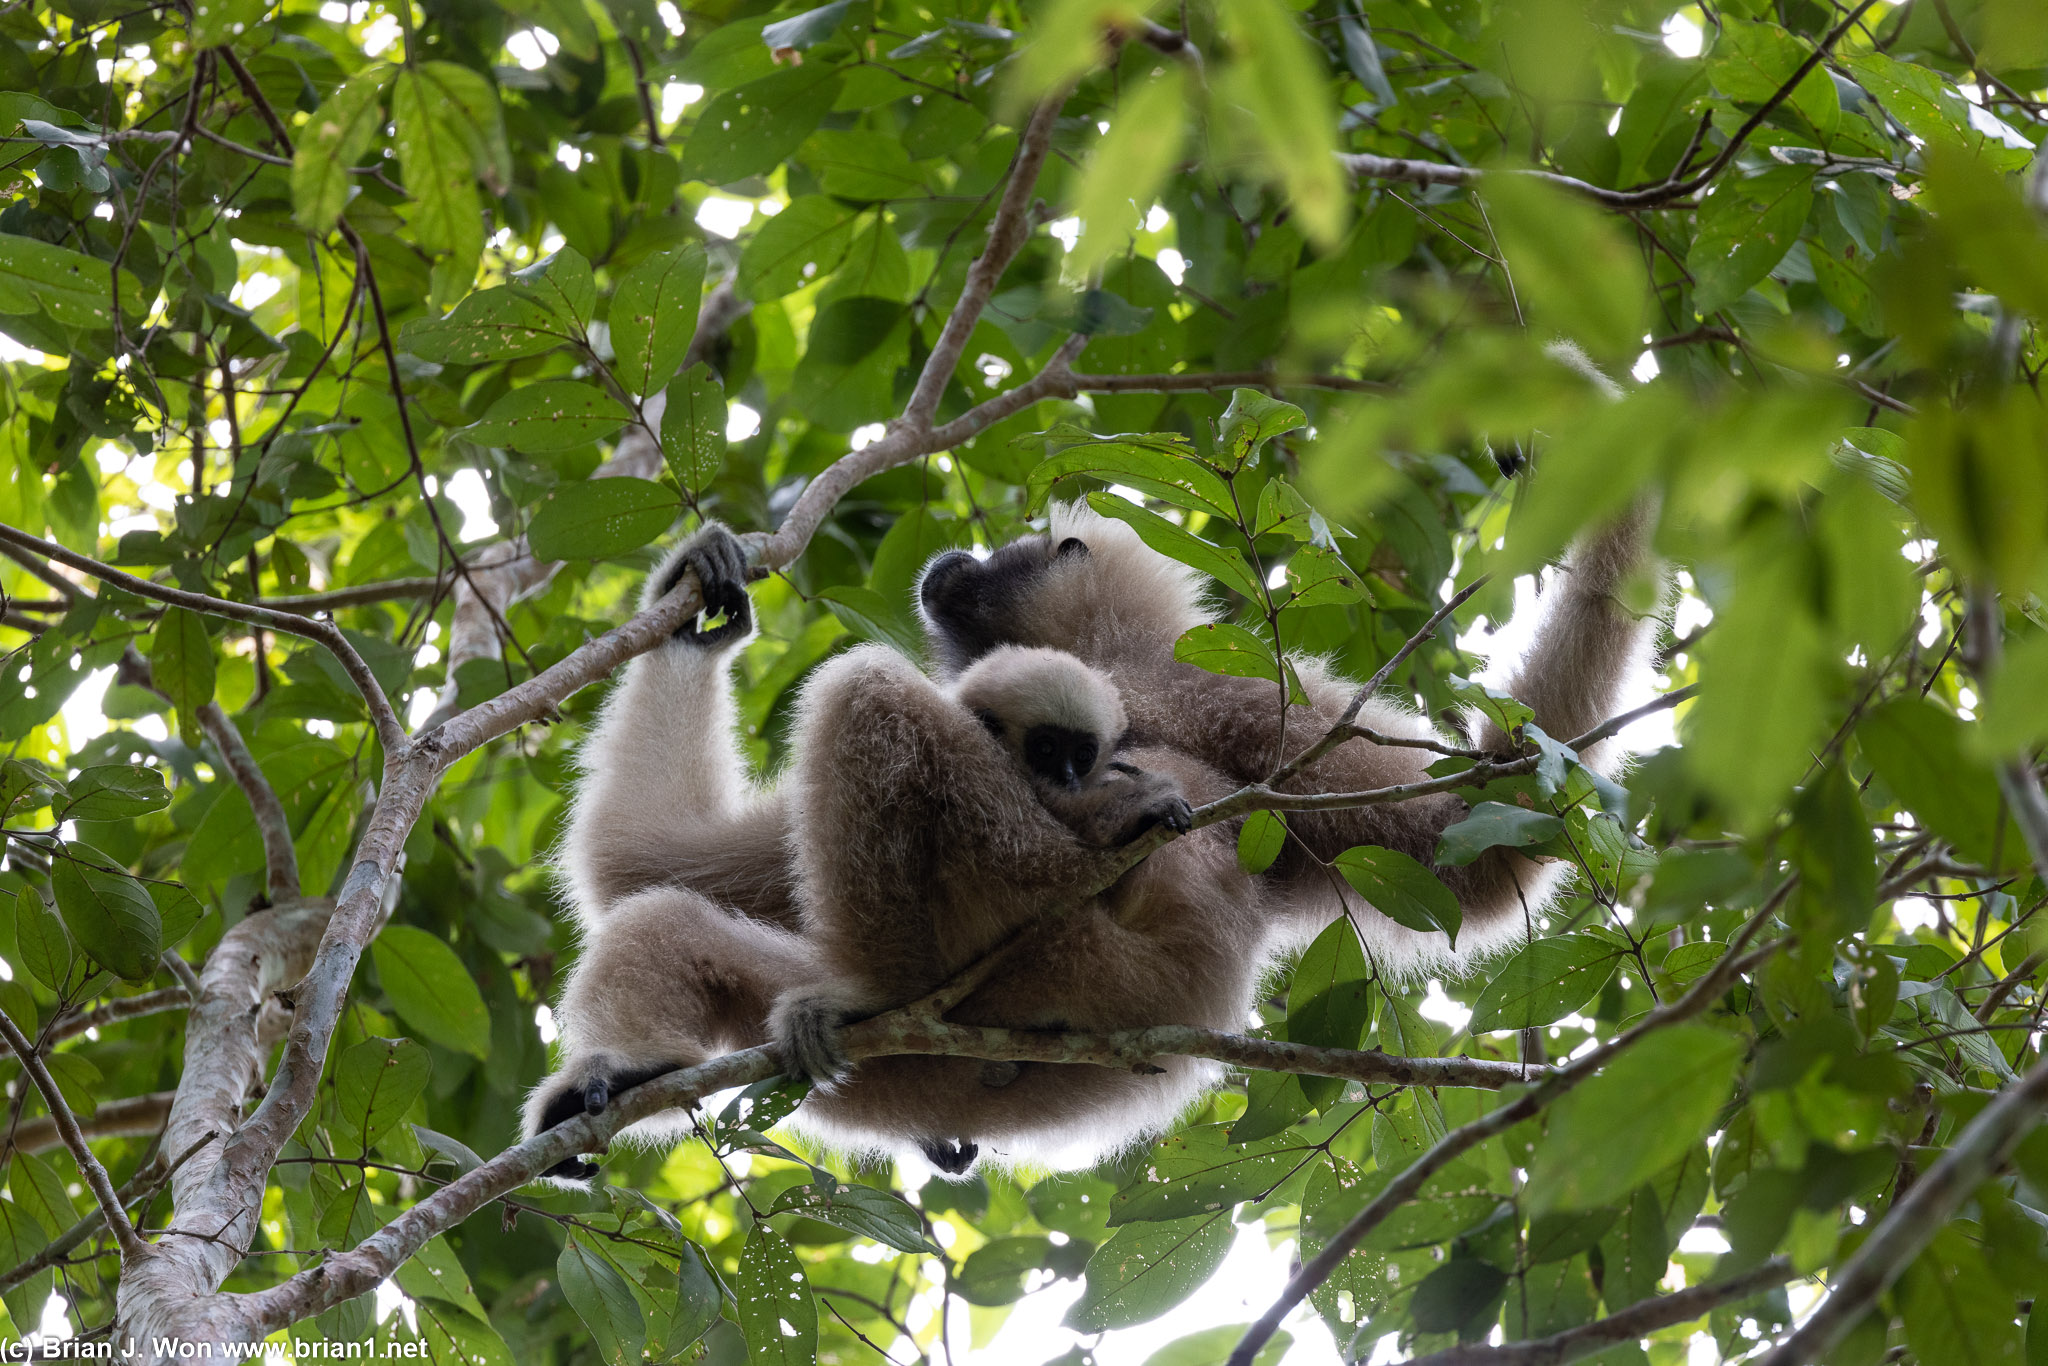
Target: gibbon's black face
x,y
970,606
1060,755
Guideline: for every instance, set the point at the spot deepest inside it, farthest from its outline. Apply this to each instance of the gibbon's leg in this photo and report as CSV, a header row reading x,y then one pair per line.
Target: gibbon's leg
x,y
919,846
664,797
665,980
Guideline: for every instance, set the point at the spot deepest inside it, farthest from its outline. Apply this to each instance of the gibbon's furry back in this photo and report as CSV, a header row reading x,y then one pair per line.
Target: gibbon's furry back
x,y
1089,586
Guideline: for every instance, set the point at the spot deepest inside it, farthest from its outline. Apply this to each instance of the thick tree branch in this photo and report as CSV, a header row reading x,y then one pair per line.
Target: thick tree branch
x,y
1978,1151
1409,1181
132,1246
125,1117
325,633
1637,1321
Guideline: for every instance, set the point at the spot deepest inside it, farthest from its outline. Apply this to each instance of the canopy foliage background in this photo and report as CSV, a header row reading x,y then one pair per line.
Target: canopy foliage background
x,y
256,479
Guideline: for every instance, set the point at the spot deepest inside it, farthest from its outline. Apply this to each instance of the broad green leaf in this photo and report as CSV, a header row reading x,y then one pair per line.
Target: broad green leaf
x,y
877,1214
1127,167
1219,562
605,1303
1494,825
1066,40
776,1310
468,106
1922,754
75,288
1746,226
562,283
1278,77
181,666
698,1298
1260,841
108,913
808,29
1317,577
1545,981
1753,61
1978,492
334,139
654,317
549,415
112,792
438,172
802,244
995,1273
1178,479
1956,1308
600,518
431,989
1456,1295
1211,1345
1223,648
1575,269
177,910
1146,1269
374,1082
1330,1001
1644,1110
860,165
693,419
2013,717
1253,419
491,324
217,23
1201,1171
756,127
21,1238
40,939
1926,105
1402,890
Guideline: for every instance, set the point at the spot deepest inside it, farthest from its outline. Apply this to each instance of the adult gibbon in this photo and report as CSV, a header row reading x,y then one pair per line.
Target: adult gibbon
x,y
919,827
1090,587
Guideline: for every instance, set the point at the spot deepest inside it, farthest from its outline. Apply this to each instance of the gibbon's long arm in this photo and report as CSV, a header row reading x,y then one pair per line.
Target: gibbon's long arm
x,y
664,798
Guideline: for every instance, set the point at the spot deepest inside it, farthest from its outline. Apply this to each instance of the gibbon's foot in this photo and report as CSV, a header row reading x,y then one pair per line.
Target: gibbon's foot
x,y
953,1157
592,1097
714,554
807,1031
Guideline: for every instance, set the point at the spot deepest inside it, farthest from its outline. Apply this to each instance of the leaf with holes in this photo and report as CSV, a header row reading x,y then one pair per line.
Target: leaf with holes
x,y
876,1214
1545,981
374,1082
1146,1269
777,1313
491,324
600,518
115,792
1745,228
550,415
334,139
693,428
758,126
654,317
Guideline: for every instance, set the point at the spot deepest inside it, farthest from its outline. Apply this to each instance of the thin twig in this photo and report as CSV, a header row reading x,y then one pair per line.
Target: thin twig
x,y
132,1246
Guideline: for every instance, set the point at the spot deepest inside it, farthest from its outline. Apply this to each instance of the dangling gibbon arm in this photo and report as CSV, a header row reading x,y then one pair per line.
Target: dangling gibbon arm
x,y
664,798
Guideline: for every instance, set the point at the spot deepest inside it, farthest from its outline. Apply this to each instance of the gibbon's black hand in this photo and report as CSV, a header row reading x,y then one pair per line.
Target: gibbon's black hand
x,y
593,1097
714,554
952,1158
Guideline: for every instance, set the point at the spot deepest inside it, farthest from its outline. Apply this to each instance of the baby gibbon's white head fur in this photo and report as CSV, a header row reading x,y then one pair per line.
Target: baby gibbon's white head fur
x,y
1025,688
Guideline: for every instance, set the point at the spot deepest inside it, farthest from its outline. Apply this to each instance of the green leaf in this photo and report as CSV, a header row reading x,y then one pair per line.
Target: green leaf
x,y
109,914
1745,228
755,128
1456,1294
1277,76
374,1082
860,165
1576,271
1260,841
1223,648
334,139
76,289
995,1273
1926,105
1545,981
549,415
1252,419
1146,1269
491,324
1125,171
1645,1109
1177,478
431,989
807,30
654,317
1200,1171
438,172
217,23
468,107
1317,577
693,420
1329,1001
40,939
776,1310
181,666
1921,753
880,1215
600,518
802,244
1956,1308
115,792
698,1297
605,1303
1753,61
1495,825
871,616
1211,1345
1219,562
562,283
1402,890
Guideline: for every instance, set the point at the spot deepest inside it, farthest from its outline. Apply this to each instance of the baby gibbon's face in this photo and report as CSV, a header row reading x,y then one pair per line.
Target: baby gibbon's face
x,y
1060,755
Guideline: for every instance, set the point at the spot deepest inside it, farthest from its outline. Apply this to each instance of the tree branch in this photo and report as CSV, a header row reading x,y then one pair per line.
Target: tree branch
x,y
322,632
138,1187
1410,1179
360,595
124,1117
1979,1150
132,1246
1637,1321
280,860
